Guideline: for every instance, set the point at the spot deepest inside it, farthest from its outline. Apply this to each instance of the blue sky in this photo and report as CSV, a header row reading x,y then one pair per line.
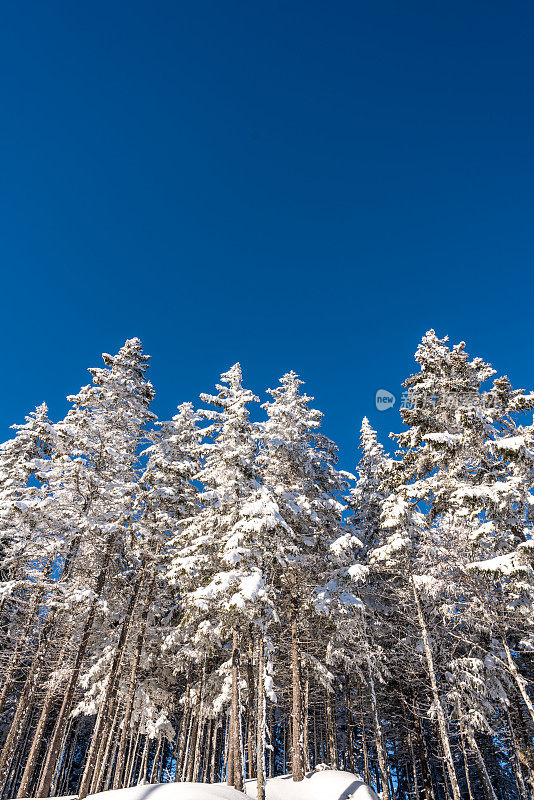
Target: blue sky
x,y
294,185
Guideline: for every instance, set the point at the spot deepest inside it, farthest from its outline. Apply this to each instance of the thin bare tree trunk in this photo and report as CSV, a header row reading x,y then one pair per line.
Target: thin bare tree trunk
x,y
211,778
296,715
23,707
348,709
520,681
66,707
38,733
330,727
235,719
107,743
141,778
197,747
442,724
134,746
305,723
481,767
184,727
155,762
250,708
19,647
127,717
260,725
521,762
366,773
464,751
425,768
524,742
104,715
380,749
229,758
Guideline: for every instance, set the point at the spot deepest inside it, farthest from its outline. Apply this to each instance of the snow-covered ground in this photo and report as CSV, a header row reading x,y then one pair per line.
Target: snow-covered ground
x,y
329,784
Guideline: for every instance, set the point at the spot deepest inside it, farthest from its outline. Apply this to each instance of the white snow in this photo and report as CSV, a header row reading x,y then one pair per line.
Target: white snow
x,y
327,784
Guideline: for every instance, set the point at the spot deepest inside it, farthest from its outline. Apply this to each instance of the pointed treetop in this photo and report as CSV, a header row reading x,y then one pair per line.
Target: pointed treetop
x,y
233,377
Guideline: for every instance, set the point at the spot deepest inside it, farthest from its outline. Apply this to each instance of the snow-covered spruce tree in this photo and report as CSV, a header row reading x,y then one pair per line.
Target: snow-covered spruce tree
x,y
298,465
482,472
448,469
167,496
29,555
26,554
220,563
358,621
95,480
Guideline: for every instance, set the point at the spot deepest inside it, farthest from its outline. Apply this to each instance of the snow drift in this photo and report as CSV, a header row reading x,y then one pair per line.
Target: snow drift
x,y
328,784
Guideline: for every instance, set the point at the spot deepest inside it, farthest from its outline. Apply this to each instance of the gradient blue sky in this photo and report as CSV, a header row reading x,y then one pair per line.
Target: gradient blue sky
x,y
294,185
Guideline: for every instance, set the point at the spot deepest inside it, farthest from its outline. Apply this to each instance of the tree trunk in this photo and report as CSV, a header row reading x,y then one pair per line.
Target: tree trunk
x,y
442,725
464,752
216,726
250,708
296,715
380,750
19,647
423,757
235,722
481,767
106,745
366,773
23,706
196,743
305,724
520,681
38,733
66,707
523,737
141,778
260,725
155,762
132,758
104,716
520,759
184,727
330,727
348,710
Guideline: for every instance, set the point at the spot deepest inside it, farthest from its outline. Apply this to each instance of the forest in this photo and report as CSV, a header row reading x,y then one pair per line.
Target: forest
x,y
211,598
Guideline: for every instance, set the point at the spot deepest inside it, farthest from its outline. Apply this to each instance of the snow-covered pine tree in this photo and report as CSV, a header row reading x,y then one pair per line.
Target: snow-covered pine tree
x,y
94,480
299,466
167,495
221,563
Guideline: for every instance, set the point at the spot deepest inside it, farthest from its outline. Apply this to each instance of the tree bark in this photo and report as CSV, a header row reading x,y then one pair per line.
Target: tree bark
x,y
260,726
250,709
464,751
520,681
66,707
330,727
442,725
103,717
19,647
23,706
481,767
348,710
235,722
38,733
380,749
296,715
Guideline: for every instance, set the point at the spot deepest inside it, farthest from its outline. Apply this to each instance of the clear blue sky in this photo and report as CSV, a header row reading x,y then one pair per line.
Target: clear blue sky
x,y
294,185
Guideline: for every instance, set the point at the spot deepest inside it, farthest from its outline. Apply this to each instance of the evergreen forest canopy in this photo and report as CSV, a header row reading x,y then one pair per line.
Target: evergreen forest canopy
x,y
210,599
